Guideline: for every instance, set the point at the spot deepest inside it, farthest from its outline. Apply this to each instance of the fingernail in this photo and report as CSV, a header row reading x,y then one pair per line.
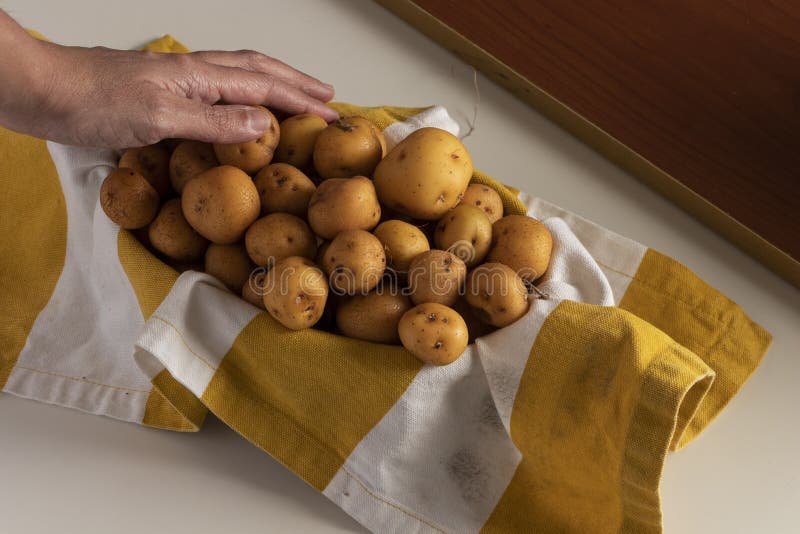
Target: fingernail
x,y
259,121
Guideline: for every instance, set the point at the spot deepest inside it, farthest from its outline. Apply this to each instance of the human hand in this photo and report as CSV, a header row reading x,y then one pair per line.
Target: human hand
x,y
116,98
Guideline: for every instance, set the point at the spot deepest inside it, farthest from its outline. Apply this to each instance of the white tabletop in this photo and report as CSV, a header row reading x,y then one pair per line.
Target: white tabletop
x,y
64,471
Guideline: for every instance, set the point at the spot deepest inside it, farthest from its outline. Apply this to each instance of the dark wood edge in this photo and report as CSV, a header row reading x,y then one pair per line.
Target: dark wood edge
x,y
721,222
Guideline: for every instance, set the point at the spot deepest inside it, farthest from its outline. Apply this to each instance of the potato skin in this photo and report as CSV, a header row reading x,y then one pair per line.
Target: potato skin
x,y
522,243
466,232
295,292
496,294
251,156
172,235
128,199
436,276
253,289
341,204
189,159
221,203
402,242
354,262
298,136
284,188
278,236
229,264
350,146
425,175
434,333
374,316
152,162
485,198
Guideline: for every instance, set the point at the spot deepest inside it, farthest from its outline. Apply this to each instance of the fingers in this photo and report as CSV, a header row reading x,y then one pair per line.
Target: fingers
x,y
257,62
192,119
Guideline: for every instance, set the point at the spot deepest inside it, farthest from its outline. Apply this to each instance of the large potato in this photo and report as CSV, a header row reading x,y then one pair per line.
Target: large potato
x,y
284,188
498,296
229,264
374,316
402,242
354,261
350,146
152,162
221,203
342,204
434,333
251,156
128,199
278,236
485,198
172,235
522,243
466,232
424,175
295,292
436,276
298,135
253,290
189,159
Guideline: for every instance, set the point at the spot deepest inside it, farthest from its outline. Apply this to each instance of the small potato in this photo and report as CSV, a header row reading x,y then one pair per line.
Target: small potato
x,y
485,198
128,199
278,236
522,243
342,204
466,232
284,188
298,135
425,175
174,237
189,159
295,292
253,290
434,333
152,162
374,316
350,146
402,242
221,203
251,156
230,264
498,296
354,261
436,276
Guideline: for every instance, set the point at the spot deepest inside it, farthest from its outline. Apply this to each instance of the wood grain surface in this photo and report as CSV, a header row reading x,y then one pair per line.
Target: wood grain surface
x,y
703,93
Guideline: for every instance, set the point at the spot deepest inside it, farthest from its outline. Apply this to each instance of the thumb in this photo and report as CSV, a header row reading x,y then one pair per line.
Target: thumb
x,y
192,119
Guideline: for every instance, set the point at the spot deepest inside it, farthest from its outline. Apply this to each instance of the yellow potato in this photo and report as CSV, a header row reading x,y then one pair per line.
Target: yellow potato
x,y
402,242
295,292
466,232
485,198
189,159
298,135
172,235
342,204
251,156
284,188
229,264
152,162
350,146
253,290
354,261
436,276
221,203
522,243
374,316
278,236
434,333
425,175
498,296
128,199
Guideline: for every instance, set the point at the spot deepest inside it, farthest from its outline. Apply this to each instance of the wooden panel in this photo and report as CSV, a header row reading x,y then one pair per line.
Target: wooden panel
x,y
700,99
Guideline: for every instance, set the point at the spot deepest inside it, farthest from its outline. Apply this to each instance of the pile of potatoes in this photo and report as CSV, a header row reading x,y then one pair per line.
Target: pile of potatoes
x,y
323,227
